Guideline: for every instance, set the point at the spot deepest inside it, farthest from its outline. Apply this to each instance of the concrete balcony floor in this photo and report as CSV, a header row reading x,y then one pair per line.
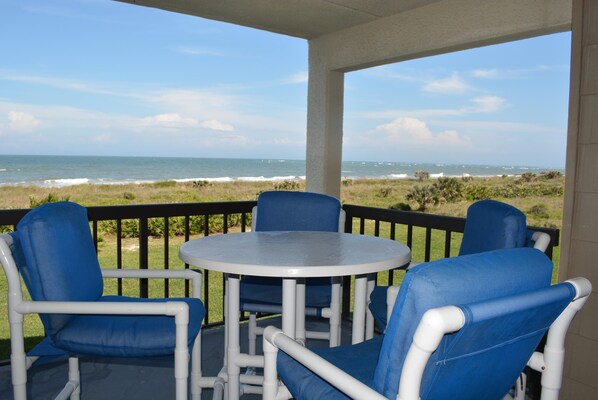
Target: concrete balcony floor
x,y
143,379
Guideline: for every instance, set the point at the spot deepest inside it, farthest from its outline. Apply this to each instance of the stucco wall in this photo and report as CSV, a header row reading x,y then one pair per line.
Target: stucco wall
x,y
579,253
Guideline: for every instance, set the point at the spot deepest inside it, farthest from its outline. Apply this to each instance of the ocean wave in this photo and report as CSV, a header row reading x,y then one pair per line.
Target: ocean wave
x,y
398,176
65,182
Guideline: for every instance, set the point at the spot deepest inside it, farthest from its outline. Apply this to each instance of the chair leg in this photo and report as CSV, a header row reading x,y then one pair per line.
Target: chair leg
x,y
75,377
18,358
270,386
181,356
335,314
369,317
252,333
196,369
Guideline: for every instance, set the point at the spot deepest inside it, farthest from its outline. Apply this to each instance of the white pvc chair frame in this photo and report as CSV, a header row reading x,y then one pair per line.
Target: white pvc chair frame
x,y
541,242
333,313
434,325
18,307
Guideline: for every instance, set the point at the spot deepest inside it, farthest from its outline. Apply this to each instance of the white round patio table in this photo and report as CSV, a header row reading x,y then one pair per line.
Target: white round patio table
x,y
290,255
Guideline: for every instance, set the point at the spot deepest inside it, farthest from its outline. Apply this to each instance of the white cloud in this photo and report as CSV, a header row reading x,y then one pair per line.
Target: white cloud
x,y
227,140
299,77
482,104
487,104
103,138
63,84
19,121
288,142
170,121
415,132
451,85
198,51
495,73
216,125
485,73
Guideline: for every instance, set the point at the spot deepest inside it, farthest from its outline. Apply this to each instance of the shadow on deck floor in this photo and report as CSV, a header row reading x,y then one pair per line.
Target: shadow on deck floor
x,y
132,379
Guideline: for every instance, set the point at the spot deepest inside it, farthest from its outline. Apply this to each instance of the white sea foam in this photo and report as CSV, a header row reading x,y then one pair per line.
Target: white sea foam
x,y
436,176
65,182
398,176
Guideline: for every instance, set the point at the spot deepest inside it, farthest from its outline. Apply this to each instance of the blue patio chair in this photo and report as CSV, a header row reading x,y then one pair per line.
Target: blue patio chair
x,y
294,211
462,328
490,225
53,251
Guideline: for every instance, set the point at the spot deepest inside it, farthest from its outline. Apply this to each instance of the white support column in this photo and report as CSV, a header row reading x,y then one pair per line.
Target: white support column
x,y
324,125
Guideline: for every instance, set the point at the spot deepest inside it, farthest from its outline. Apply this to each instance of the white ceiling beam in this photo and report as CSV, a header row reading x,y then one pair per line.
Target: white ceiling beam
x,y
438,28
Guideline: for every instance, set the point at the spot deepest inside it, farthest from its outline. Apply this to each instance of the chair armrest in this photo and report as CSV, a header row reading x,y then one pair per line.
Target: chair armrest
x,y
190,274
434,324
178,309
541,240
324,369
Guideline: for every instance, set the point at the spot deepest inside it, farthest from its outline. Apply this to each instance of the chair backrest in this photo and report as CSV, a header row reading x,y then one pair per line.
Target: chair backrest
x,y
492,225
451,281
485,357
53,249
297,211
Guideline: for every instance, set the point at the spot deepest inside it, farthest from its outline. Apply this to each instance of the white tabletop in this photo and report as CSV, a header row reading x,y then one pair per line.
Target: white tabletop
x,y
295,254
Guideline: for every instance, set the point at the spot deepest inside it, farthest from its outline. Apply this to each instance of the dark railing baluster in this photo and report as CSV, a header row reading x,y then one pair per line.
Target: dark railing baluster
x,y
143,255
187,236
166,255
447,244
94,234
119,254
410,237
428,249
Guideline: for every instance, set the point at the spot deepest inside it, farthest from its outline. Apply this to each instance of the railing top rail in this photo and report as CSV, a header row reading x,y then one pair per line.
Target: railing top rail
x,y
432,221
419,219
98,213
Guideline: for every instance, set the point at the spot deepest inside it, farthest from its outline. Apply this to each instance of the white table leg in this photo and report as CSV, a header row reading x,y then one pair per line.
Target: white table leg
x,y
289,301
234,347
300,311
359,306
369,317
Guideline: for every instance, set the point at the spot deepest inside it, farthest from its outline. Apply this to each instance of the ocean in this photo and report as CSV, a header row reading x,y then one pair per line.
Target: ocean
x,y
56,171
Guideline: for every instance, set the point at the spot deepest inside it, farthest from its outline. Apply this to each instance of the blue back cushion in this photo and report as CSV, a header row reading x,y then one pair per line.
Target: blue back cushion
x,y
450,281
56,257
493,225
297,211
494,345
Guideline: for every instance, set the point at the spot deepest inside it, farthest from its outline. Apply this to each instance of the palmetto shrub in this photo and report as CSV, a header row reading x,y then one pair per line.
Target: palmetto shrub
x,y
450,190
424,196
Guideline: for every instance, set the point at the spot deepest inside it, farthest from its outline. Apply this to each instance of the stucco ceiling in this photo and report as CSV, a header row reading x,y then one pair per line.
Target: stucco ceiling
x,y
306,19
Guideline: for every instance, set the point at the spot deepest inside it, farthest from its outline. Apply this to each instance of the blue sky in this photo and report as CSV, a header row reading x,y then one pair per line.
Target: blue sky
x,y
98,77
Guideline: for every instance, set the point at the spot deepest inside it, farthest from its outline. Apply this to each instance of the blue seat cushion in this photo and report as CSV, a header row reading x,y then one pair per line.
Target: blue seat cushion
x,y
264,290
126,335
359,361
